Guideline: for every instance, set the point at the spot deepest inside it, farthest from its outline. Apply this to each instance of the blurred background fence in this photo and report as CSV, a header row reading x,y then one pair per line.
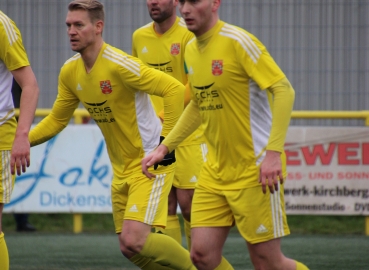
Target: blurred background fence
x,y
321,45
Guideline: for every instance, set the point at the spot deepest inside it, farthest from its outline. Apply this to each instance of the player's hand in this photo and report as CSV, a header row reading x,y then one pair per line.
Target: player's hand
x,y
20,155
271,171
153,158
168,159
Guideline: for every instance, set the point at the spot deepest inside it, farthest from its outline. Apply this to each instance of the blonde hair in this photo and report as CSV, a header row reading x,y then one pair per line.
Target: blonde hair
x,y
94,8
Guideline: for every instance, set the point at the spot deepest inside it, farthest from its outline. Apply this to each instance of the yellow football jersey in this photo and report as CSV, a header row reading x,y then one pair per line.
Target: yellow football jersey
x,y
116,94
228,69
12,56
165,53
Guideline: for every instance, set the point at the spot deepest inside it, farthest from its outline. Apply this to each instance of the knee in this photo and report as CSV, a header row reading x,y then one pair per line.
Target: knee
x,y
199,259
130,246
196,257
259,261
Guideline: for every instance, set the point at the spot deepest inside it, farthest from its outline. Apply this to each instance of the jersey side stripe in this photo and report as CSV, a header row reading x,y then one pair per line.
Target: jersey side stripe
x,y
260,119
9,28
246,42
131,65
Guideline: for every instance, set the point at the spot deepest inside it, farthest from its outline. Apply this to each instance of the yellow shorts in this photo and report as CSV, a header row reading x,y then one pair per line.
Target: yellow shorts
x,y
142,199
189,163
259,217
6,177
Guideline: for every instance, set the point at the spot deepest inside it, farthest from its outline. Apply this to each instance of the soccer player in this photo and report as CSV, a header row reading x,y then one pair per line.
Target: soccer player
x,y
161,45
114,87
244,101
14,143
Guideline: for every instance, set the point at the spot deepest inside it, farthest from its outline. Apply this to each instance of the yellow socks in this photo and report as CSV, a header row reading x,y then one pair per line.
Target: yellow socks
x,y
173,228
4,256
145,263
166,251
224,265
187,229
300,266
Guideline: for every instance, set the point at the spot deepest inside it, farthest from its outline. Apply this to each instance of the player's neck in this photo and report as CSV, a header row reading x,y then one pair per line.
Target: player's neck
x,y
164,26
208,26
90,54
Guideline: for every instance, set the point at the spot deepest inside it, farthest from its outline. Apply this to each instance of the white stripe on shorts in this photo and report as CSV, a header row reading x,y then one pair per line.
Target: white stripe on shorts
x,y
6,176
204,150
275,204
156,191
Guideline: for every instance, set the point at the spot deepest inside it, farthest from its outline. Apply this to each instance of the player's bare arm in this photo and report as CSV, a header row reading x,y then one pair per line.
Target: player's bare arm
x,y
20,155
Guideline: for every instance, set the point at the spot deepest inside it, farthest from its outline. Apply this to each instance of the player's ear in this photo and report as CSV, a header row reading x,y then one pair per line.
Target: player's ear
x,y
99,25
215,5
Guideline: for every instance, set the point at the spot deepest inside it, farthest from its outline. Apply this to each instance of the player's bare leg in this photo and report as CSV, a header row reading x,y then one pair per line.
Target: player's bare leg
x,y
268,255
184,197
136,239
207,245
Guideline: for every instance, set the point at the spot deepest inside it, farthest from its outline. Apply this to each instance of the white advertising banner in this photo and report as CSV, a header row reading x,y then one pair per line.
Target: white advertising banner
x,y
71,173
328,173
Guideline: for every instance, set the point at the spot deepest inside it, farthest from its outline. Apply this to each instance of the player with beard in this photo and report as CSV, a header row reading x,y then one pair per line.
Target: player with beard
x,y
161,45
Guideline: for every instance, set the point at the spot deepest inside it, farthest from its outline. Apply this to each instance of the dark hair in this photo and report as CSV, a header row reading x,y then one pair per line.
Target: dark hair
x,y
94,8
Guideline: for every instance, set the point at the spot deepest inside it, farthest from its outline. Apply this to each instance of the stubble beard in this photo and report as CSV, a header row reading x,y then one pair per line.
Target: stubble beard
x,y
161,17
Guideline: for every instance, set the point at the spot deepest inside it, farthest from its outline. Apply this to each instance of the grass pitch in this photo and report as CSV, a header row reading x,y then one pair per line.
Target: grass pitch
x,y
56,251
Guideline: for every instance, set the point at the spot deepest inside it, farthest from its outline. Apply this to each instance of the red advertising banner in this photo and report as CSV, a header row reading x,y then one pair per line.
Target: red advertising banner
x,y
328,171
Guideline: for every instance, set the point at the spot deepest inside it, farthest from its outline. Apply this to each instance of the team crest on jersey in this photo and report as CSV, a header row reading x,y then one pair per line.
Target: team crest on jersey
x,y
217,67
175,49
106,87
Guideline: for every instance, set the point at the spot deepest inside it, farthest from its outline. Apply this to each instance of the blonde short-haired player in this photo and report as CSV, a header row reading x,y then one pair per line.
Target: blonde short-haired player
x,y
161,45
14,143
114,87
244,102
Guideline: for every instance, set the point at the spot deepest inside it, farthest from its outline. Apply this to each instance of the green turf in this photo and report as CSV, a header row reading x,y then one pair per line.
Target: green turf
x,y
322,242
104,223
45,251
